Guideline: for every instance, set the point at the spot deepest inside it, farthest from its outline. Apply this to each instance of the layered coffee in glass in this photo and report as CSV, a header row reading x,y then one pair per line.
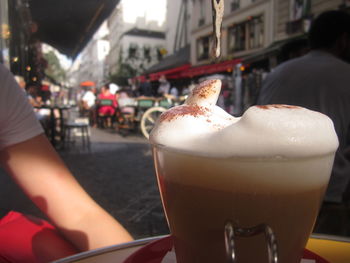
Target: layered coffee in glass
x,y
266,171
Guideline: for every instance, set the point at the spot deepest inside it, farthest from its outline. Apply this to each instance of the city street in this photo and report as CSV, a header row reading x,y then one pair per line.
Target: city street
x,y
117,172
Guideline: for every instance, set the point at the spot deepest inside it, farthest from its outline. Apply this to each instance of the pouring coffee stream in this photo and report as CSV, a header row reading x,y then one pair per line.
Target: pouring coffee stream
x,y
218,13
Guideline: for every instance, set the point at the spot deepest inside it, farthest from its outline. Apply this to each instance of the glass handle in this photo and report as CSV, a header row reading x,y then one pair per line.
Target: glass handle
x,y
232,232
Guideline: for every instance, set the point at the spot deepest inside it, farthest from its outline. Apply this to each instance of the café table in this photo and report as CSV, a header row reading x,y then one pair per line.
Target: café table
x,y
53,124
334,249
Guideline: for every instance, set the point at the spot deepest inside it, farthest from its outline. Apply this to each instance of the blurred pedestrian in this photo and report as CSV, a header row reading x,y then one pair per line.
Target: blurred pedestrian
x,y
145,88
113,88
42,114
89,105
132,82
21,82
320,81
174,92
164,87
106,105
105,94
126,102
89,98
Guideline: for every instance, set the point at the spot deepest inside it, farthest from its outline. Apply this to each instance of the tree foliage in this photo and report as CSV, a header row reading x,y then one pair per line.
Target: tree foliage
x,y
126,69
125,72
54,69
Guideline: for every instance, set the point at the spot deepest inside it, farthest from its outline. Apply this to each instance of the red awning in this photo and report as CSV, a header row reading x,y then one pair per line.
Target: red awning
x,y
186,71
226,66
169,73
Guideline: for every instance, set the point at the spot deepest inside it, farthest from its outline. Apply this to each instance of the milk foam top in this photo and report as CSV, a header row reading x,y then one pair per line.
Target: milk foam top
x,y
199,126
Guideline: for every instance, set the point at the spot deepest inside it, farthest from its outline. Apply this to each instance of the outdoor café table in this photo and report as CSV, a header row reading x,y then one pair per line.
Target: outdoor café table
x,y
53,121
332,248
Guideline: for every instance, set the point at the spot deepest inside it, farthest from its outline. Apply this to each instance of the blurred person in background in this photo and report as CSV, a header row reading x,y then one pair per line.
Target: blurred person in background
x,y
76,222
21,82
320,81
145,89
45,93
88,98
32,95
126,104
105,94
43,115
89,105
113,88
164,87
174,92
133,86
106,104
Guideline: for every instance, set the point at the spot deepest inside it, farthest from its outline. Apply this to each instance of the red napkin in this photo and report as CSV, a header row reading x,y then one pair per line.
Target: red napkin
x,y
28,239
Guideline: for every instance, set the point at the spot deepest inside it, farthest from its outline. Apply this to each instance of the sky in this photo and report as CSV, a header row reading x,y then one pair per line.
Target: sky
x,y
152,10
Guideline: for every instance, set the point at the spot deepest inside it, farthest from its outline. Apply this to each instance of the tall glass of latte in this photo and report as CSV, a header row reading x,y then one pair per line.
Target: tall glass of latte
x,y
269,168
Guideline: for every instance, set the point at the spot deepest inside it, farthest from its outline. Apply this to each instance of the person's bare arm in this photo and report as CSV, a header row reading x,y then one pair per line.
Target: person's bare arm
x,y
42,175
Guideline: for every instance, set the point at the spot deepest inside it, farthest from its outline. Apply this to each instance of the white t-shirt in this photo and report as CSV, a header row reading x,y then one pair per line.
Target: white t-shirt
x,y
89,97
174,91
164,88
17,119
113,88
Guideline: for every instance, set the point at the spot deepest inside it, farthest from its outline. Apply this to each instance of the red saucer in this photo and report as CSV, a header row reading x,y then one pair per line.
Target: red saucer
x,y
155,251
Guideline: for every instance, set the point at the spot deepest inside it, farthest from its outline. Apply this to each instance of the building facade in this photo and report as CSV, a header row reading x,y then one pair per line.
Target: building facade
x,y
291,22
260,33
90,65
178,24
252,28
141,49
116,29
294,17
246,28
136,43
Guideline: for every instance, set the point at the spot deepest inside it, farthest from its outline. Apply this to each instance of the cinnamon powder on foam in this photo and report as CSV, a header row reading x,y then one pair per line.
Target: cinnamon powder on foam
x,y
205,89
192,110
277,106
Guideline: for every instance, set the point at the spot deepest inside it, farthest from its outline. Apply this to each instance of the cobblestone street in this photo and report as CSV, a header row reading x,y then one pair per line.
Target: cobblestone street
x,y
117,172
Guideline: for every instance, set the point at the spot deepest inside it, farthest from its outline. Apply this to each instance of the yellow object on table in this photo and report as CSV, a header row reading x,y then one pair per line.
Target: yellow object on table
x,y
333,249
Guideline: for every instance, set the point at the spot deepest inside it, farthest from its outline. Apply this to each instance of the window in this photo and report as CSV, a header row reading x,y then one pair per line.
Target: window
x,y
161,52
132,52
147,53
299,9
246,35
237,38
299,16
203,48
256,32
235,5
